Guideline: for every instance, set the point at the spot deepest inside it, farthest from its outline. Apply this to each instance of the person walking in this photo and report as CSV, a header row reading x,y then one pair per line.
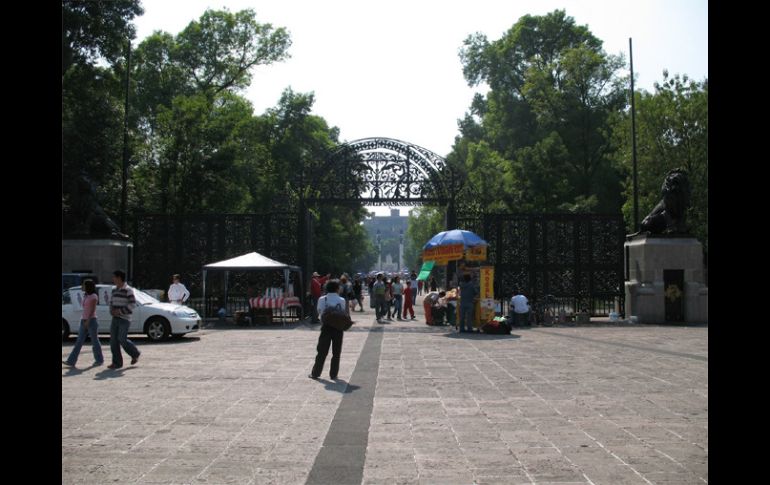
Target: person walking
x,y
346,291
433,284
89,325
389,297
397,289
330,336
378,294
122,305
315,293
415,285
358,290
177,292
372,301
408,299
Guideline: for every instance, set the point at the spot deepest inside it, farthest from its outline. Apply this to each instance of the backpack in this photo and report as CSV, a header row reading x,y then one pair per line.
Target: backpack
x,y
336,317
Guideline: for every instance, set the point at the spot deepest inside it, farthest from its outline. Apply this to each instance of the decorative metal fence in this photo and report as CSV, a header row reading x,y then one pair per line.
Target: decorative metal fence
x,y
165,245
575,258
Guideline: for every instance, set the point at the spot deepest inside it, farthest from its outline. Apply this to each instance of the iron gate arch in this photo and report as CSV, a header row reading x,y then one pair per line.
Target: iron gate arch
x,y
382,171
375,171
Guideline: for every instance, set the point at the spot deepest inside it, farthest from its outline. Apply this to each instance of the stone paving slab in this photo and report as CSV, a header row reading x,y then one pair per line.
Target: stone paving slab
x,y
567,405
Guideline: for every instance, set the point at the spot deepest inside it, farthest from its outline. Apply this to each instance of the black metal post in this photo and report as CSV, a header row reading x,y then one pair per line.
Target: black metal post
x,y
633,138
124,190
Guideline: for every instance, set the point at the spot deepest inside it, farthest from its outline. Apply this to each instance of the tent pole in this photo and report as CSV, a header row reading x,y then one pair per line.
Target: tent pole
x,y
227,277
204,300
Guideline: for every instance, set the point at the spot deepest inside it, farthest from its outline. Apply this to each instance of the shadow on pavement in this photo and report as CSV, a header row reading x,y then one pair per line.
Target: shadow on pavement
x,y
338,386
138,339
481,336
111,373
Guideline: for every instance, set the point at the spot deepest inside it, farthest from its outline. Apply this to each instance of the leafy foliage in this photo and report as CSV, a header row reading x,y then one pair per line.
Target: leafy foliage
x,y
538,140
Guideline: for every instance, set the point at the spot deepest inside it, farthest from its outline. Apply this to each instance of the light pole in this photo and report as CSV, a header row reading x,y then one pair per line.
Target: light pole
x,y
379,254
633,138
400,248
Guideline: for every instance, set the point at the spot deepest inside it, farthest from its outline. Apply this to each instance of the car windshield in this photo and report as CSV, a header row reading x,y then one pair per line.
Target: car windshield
x,y
143,298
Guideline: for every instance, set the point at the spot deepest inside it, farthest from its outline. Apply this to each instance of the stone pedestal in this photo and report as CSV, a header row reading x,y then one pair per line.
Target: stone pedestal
x,y
647,257
100,256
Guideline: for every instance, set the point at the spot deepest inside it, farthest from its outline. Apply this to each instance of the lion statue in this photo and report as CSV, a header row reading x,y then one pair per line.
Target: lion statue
x,y
85,217
668,217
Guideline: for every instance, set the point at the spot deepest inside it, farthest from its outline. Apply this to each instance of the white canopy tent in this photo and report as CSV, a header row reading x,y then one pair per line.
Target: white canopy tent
x,y
249,262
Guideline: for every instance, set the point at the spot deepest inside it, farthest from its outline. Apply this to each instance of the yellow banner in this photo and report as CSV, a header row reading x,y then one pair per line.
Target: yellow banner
x,y
479,253
487,277
443,254
487,294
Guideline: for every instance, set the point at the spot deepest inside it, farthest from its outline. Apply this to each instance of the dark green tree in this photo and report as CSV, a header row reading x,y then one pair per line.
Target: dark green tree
x,y
96,28
538,141
202,148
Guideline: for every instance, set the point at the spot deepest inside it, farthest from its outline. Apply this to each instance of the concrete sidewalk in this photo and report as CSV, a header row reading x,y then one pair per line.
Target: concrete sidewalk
x,y
413,404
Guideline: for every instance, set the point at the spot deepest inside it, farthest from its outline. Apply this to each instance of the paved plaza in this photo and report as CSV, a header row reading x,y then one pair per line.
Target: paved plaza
x,y
624,404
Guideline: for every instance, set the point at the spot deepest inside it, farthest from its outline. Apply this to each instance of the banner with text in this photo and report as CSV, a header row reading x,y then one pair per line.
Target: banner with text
x,y
443,254
478,253
487,292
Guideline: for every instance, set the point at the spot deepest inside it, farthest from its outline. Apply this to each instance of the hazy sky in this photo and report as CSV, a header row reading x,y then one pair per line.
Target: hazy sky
x,y
392,69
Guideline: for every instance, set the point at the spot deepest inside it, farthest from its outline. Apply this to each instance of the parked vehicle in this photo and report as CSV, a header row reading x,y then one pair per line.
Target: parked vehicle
x,y
68,280
157,320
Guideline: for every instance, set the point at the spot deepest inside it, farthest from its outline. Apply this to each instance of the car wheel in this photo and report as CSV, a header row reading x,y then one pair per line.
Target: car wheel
x,y
65,330
157,329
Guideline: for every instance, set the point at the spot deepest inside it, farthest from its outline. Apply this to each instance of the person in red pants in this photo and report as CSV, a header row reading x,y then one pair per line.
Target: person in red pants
x,y
408,299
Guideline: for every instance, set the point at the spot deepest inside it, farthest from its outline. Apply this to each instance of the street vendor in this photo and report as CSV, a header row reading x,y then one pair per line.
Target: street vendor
x,y
451,298
468,293
433,301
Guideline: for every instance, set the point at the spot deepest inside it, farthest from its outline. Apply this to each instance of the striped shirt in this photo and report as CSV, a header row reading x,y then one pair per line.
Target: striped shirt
x,y
123,300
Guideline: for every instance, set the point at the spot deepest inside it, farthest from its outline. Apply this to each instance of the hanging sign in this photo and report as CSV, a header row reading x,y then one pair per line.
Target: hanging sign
x,y
478,253
487,279
487,293
443,254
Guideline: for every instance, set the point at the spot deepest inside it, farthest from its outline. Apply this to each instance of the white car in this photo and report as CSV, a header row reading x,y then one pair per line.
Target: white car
x,y
158,320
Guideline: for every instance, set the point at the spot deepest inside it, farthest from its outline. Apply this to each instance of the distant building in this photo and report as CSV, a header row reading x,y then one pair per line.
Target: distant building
x,y
390,228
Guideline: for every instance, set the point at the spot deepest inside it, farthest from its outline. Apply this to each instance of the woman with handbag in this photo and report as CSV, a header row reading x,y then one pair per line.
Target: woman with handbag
x,y
330,335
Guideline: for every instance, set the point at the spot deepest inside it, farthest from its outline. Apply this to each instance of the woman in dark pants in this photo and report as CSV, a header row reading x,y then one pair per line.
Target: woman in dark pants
x,y
329,335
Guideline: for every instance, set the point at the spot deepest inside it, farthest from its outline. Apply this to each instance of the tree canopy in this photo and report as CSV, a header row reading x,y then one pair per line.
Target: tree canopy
x,y
542,126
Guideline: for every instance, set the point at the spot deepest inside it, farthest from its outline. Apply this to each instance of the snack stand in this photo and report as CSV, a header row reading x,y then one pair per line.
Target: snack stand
x,y
469,249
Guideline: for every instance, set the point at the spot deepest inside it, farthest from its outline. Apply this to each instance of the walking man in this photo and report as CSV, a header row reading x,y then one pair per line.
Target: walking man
x,y
329,336
122,306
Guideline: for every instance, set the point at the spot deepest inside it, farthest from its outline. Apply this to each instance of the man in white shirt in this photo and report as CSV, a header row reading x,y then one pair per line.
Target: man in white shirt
x,y
177,292
520,307
330,336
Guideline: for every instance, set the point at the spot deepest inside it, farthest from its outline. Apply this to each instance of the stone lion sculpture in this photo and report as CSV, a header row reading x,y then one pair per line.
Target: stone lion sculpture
x,y
668,217
86,218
